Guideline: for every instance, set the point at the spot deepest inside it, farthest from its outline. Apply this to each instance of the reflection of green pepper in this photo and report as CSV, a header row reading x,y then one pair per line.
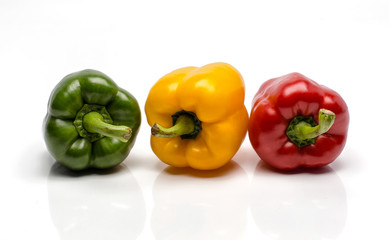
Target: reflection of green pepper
x,y
90,121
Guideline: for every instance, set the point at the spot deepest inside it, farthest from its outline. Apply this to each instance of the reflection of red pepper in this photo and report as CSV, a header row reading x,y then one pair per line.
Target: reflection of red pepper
x,y
292,123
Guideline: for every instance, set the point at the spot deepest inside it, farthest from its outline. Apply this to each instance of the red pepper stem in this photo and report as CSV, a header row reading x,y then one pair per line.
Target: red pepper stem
x,y
304,130
184,125
93,123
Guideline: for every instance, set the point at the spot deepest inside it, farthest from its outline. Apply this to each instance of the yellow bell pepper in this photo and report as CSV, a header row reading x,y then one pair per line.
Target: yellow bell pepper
x,y
197,115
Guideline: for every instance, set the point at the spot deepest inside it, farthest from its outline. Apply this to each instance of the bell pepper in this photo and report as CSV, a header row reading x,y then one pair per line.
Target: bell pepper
x,y
90,121
295,122
197,115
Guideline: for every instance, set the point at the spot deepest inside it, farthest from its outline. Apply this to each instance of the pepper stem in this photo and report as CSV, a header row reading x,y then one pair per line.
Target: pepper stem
x,y
184,125
303,130
93,123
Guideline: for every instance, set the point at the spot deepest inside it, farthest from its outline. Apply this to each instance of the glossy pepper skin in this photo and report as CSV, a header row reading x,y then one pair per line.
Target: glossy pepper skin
x,y
294,96
90,121
211,97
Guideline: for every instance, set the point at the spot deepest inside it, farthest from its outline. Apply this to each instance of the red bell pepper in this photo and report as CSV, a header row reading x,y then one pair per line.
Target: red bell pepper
x,y
296,122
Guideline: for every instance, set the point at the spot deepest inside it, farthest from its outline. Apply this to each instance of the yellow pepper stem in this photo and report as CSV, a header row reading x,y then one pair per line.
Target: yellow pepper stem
x,y
184,125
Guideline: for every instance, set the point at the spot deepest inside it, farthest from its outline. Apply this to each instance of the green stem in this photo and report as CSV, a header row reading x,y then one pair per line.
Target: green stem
x,y
184,125
303,130
93,123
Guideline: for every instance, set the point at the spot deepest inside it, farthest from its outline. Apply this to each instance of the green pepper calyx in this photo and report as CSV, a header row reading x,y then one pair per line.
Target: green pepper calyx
x,y
93,122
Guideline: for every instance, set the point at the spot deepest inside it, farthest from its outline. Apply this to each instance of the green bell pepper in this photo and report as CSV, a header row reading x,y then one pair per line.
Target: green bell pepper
x,y
90,121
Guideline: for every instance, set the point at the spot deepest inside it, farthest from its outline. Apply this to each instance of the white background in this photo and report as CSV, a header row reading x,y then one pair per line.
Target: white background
x,y
340,44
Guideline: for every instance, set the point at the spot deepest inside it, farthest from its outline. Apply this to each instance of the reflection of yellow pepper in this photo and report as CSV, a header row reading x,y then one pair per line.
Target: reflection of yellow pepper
x,y
198,116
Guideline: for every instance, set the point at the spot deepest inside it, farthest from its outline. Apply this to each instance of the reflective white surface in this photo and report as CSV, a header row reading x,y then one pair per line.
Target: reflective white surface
x,y
298,205
201,205
340,44
81,210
